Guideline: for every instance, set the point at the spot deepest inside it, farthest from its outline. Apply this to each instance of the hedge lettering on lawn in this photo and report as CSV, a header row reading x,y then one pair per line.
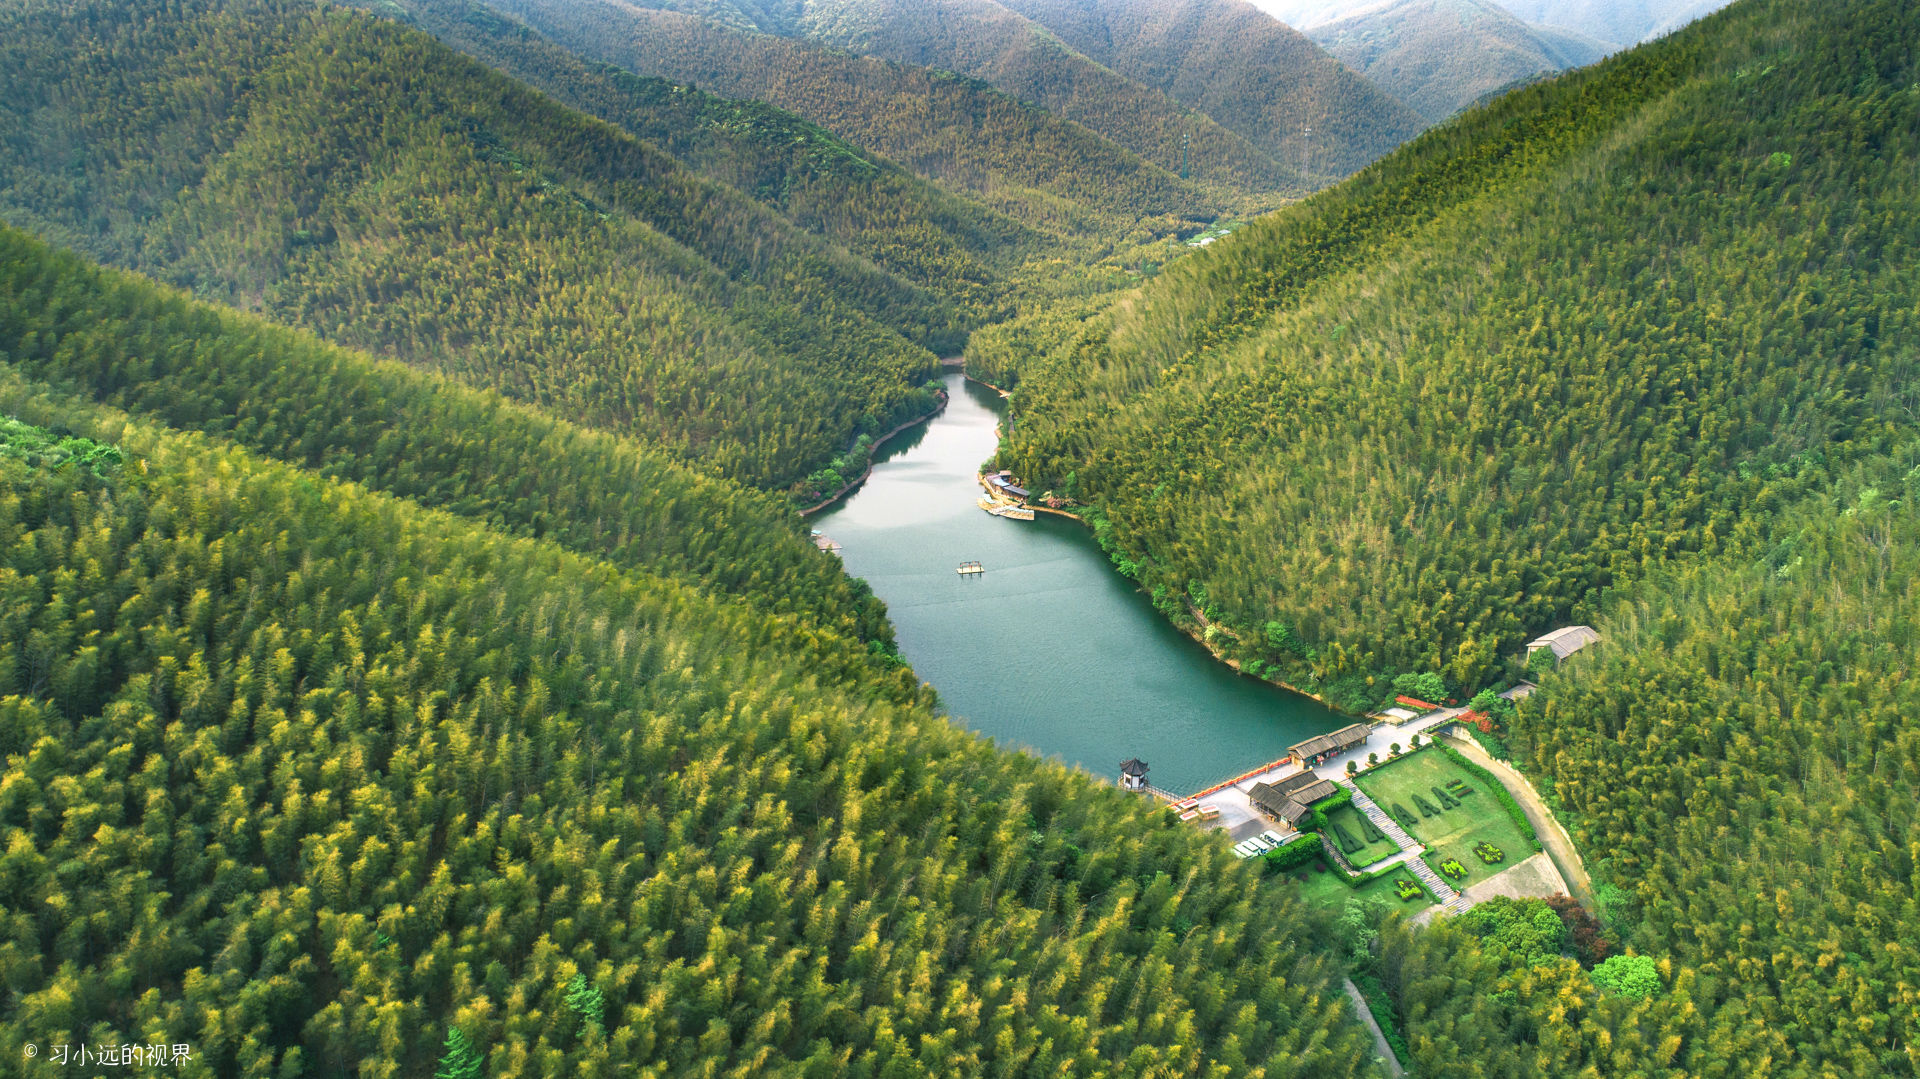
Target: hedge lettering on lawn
x,y
1514,811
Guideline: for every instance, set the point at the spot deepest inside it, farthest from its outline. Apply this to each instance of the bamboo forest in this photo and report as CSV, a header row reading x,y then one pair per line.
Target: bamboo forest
x,y
482,482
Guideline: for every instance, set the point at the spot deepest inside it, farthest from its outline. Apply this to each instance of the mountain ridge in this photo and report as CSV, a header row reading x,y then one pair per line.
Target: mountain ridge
x,y
1439,56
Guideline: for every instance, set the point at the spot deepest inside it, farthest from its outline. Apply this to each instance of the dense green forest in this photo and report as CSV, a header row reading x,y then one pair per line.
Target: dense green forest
x,y
1251,73
1740,763
341,173
118,338
310,777
874,208
359,720
1604,322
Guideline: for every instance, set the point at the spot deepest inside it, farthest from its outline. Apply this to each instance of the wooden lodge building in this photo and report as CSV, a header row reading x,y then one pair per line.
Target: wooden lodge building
x,y
1002,482
1564,641
1289,800
1321,746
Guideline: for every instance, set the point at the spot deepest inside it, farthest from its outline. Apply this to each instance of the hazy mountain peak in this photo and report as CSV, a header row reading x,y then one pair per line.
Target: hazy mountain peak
x,y
1438,56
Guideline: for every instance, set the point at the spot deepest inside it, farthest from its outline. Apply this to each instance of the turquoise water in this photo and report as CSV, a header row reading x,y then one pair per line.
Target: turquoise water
x,y
1049,649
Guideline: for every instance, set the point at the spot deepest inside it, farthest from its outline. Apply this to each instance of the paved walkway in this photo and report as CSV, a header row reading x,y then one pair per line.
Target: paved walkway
x,y
1410,850
1380,1046
1382,739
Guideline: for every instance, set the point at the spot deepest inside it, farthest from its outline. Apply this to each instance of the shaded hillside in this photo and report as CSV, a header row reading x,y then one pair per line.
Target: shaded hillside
x,y
1440,56
1253,75
309,777
367,182
870,206
1034,167
1532,356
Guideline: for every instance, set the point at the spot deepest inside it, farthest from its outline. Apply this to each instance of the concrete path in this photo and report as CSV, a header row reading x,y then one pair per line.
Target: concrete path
x,y
1381,741
1380,1046
1534,877
1410,850
1553,836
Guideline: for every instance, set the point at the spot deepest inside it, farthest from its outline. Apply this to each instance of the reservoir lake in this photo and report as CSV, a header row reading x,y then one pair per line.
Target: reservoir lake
x,y
1049,649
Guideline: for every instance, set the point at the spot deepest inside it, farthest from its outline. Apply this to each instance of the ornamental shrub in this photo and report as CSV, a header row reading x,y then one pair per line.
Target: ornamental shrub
x,y
1348,845
1371,830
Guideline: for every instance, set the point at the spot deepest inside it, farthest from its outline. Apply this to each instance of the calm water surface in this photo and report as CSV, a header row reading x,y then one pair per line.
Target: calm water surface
x,y
1050,649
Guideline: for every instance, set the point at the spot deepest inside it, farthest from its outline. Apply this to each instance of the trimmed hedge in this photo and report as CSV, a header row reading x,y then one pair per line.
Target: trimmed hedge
x,y
1297,851
1343,796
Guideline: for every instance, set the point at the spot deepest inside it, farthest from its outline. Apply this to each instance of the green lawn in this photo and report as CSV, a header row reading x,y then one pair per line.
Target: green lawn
x,y
1479,816
1354,823
1327,888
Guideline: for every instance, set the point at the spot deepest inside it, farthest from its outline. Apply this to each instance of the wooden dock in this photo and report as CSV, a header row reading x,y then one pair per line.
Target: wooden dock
x,y
1005,509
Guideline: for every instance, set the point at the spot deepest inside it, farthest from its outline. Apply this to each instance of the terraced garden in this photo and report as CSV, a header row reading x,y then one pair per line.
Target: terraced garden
x,y
1444,804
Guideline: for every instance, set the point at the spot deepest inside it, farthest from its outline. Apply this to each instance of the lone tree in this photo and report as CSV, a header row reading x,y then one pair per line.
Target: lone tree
x,y
461,1060
1373,759
1393,750
1352,767
587,1002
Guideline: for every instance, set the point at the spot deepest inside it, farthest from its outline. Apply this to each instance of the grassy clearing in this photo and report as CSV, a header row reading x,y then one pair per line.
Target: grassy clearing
x,y
1480,816
1354,823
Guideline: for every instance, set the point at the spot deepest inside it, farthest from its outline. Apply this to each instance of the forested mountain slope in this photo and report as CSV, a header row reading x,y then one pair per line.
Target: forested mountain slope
x,y
365,181
1740,764
932,237
975,38
310,778
1439,56
1535,354
120,339
1252,74
1043,171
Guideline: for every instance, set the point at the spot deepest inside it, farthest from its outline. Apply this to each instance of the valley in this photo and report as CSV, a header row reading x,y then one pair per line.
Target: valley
x,y
482,485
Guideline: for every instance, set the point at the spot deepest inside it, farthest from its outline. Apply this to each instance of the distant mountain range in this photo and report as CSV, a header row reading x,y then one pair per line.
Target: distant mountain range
x,y
1439,56
1620,22
1249,103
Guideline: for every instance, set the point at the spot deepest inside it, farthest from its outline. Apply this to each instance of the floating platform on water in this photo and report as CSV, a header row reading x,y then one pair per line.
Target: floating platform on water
x,y
1005,509
967,568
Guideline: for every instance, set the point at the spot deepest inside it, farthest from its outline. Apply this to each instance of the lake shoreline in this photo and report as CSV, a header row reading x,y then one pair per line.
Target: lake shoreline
x,y
1198,636
1049,649
873,452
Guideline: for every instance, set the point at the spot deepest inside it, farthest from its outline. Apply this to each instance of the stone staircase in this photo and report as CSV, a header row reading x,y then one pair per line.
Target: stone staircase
x,y
1453,901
